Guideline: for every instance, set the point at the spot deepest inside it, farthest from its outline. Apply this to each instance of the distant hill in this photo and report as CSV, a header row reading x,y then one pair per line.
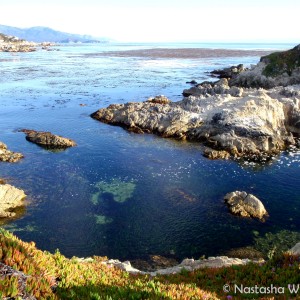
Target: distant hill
x,y
44,34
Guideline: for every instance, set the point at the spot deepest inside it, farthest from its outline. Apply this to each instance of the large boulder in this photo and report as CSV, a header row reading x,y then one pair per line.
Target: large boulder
x,y
48,140
245,205
7,155
10,198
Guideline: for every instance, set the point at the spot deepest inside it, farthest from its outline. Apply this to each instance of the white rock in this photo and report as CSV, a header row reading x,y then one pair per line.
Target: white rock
x,y
10,198
245,205
254,123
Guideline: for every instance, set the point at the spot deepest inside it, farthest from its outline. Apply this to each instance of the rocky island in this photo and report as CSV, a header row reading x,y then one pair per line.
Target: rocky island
x,y
244,115
47,139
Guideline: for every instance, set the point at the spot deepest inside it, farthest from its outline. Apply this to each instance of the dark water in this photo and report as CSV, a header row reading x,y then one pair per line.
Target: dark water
x,y
117,193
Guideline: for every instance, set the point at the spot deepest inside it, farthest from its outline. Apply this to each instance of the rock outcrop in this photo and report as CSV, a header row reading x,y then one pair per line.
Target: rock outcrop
x,y
10,198
14,44
253,123
229,72
245,205
47,139
220,87
276,69
215,154
186,264
7,155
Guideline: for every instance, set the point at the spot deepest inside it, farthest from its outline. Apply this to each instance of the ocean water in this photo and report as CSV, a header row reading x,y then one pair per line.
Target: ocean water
x,y
117,193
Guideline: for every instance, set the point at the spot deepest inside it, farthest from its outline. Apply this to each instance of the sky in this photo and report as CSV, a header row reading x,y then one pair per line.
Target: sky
x,y
162,20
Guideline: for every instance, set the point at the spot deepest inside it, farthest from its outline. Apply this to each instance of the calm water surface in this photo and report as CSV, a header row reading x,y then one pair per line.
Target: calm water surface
x,y
117,193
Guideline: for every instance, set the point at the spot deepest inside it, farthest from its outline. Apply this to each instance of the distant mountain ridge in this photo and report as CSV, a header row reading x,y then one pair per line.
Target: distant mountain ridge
x,y
45,34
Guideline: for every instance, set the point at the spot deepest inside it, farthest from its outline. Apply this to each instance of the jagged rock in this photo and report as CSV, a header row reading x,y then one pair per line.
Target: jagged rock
x,y
245,205
220,87
229,72
7,155
10,198
276,69
215,154
257,124
47,139
161,99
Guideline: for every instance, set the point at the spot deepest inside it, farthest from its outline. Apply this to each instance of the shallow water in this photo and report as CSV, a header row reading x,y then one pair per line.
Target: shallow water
x,y
121,194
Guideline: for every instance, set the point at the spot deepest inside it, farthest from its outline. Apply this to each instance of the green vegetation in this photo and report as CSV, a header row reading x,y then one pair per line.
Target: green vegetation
x,y
121,191
53,276
279,63
276,243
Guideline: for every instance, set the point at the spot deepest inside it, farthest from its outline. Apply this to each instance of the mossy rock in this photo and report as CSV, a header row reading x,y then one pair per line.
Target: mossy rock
x,y
279,63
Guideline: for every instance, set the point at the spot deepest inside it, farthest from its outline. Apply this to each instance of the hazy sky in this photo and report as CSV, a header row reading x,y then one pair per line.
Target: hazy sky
x,y
162,20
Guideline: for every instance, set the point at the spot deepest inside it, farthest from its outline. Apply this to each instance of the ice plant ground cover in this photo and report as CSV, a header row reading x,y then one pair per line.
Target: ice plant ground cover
x,y
53,276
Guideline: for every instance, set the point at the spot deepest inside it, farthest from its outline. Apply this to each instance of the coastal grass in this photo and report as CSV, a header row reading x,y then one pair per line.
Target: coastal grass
x,y
53,276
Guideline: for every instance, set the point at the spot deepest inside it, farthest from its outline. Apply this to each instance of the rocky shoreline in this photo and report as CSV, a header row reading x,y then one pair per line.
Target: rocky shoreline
x,y
230,117
14,44
233,120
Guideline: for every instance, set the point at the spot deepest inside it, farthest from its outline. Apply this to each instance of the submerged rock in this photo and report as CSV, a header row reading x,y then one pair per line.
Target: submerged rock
x,y
7,155
119,190
245,205
10,198
48,140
